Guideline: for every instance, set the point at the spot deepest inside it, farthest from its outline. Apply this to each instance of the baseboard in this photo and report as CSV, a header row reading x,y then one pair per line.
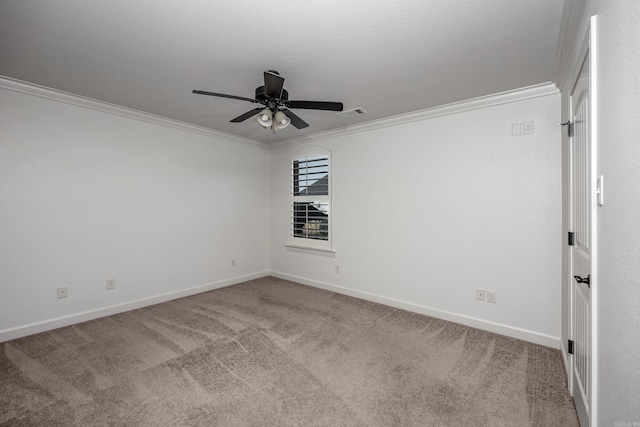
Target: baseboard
x,y
47,325
72,319
498,328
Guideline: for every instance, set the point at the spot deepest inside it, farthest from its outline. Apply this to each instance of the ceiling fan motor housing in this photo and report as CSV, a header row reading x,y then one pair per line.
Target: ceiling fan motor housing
x,y
261,97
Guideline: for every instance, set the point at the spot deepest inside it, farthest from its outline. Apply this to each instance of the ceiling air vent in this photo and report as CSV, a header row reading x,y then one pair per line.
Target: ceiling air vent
x,y
351,113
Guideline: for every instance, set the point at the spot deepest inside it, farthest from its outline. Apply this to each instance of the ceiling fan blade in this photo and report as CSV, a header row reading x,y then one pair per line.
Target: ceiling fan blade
x,y
222,95
273,84
315,105
246,115
296,121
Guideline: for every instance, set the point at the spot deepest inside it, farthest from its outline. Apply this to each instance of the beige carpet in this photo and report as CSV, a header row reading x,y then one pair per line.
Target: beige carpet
x,y
274,353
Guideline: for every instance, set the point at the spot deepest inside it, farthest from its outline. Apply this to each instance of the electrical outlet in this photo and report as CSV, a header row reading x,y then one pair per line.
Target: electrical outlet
x,y
337,268
491,296
111,283
233,262
63,292
528,127
480,294
516,129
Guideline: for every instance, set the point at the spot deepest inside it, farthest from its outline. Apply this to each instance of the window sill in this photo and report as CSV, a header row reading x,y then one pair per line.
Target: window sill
x,y
311,251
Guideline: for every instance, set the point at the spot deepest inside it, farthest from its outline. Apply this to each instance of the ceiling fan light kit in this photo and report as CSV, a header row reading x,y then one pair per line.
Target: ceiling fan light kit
x,y
275,122
264,118
277,114
281,120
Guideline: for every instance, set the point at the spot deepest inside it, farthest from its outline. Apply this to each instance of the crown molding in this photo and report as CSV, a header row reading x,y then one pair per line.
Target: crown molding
x,y
105,107
507,97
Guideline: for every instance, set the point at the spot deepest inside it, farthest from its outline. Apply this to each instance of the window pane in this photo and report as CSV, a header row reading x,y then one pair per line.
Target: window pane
x,y
311,177
310,220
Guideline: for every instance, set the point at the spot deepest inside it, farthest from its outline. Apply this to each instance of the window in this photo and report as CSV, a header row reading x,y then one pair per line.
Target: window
x,y
310,201
310,207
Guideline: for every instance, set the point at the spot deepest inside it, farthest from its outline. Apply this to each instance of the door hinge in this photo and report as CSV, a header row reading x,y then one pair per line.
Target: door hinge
x,y
569,126
570,349
570,238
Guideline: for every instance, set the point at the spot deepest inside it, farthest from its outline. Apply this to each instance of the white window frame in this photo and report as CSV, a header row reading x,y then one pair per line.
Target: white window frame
x,y
304,244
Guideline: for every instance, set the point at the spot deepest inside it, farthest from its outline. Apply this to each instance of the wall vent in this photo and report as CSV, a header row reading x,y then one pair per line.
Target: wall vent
x,y
351,113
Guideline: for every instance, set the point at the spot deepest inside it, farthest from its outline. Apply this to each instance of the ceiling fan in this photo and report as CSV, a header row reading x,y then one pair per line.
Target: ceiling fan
x,y
275,114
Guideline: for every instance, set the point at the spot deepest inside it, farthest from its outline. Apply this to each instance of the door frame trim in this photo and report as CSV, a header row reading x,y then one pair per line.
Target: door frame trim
x,y
593,96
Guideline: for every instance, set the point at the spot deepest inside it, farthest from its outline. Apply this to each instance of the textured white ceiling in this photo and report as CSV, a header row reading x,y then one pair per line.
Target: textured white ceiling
x,y
388,57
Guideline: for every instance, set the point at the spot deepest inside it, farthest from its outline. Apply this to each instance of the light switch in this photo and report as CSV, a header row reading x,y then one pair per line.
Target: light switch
x,y
600,190
528,127
516,129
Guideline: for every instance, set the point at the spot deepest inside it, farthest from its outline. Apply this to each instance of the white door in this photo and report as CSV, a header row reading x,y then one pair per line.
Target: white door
x,y
582,222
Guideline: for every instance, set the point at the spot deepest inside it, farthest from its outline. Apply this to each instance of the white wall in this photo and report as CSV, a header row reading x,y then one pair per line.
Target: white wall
x,y
87,196
618,282
426,212
618,221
